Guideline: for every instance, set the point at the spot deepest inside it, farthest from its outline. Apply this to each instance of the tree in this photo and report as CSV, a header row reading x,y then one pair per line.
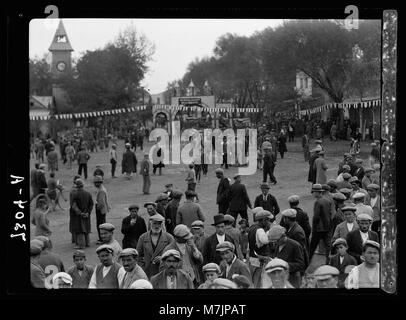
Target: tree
x,y
40,77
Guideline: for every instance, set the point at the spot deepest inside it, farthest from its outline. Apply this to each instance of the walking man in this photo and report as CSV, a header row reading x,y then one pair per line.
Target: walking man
x,y
102,206
113,160
129,162
223,191
145,167
266,200
239,200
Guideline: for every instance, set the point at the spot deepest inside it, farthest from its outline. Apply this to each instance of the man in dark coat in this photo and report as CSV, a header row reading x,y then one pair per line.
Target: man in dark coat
x,y
171,211
210,253
302,217
81,208
133,226
282,145
321,221
269,166
239,200
223,191
359,173
129,162
288,250
356,238
341,260
312,173
266,200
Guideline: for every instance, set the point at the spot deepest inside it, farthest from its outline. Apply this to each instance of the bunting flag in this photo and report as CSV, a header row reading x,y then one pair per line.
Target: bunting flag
x,y
347,105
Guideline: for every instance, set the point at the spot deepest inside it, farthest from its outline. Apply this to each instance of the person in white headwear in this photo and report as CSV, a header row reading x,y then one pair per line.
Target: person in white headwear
x,y
141,284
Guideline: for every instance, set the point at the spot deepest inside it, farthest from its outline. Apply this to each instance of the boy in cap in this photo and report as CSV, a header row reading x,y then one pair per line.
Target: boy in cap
x,y
341,260
151,244
278,273
349,224
374,200
356,238
191,257
367,274
130,271
81,273
172,277
106,274
107,237
231,264
223,191
129,162
266,200
326,277
211,272
101,205
132,227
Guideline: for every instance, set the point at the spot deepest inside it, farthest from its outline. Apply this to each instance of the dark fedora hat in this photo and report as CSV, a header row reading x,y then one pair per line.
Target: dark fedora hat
x,y
219,218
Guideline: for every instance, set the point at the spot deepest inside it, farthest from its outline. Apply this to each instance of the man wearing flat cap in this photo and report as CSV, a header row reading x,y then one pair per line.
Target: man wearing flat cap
x,y
348,224
131,270
302,218
132,227
345,184
189,211
374,200
145,170
61,280
199,236
268,167
191,257
37,272
101,205
321,229
161,203
210,254
129,162
326,277
320,166
151,244
368,178
172,277
356,238
211,271
267,200
359,199
171,210
81,208
312,172
233,233
278,274
295,232
169,191
333,185
288,250
107,236
223,191
345,169
81,273
367,274
106,274
231,264
356,187
239,200
342,260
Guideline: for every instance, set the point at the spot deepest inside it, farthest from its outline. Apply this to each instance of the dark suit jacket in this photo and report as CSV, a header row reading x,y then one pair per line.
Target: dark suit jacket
x,y
354,242
238,267
335,262
223,192
292,253
303,220
270,204
183,280
239,199
132,233
360,173
296,233
322,215
209,249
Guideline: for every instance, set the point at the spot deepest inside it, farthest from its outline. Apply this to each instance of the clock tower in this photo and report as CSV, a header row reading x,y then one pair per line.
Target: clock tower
x,y
61,50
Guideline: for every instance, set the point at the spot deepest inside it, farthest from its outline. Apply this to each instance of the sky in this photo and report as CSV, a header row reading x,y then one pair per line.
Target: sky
x,y
177,41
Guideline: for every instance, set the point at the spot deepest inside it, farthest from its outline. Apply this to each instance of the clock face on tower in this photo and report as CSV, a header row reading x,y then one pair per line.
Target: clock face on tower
x,y
61,66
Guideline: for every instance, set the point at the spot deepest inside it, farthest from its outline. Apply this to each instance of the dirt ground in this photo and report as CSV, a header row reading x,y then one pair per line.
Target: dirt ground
x,y
291,174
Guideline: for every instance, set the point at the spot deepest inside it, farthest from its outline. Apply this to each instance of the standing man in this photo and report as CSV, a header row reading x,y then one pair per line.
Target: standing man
x,y
233,233
172,210
81,207
133,271
106,274
357,238
223,191
305,146
269,166
113,160
41,180
172,277
239,200
191,257
102,206
70,154
282,144
209,249
321,222
151,244
146,180
129,162
169,191
375,203
81,273
189,211
39,218
349,224
302,217
360,207
199,236
266,200
288,250
161,203
231,265
320,167
191,180
224,145
52,158
359,172
83,157
107,237
312,172
368,178
132,227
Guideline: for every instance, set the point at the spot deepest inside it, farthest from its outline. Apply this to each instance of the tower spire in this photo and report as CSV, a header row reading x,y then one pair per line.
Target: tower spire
x,y
60,41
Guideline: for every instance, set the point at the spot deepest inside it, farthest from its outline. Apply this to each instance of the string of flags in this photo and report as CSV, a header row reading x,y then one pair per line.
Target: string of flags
x,y
344,105
88,114
194,108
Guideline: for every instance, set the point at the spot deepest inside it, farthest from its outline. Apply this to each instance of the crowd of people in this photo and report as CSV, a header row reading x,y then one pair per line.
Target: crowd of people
x,y
169,249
